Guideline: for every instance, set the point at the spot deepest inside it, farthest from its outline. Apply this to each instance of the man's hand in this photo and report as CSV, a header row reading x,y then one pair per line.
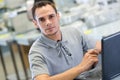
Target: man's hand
x,y
90,58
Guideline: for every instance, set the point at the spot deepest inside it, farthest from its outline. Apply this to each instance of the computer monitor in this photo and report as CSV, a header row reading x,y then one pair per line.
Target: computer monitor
x,y
111,57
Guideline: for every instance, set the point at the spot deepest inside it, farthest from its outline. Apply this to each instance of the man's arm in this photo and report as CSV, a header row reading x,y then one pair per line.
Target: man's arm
x,y
67,75
88,60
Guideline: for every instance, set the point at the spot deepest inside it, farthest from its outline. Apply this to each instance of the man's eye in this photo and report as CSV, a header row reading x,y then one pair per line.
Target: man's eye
x,y
51,16
41,19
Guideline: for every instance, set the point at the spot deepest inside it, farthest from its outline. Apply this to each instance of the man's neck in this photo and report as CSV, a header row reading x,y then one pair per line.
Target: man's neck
x,y
56,37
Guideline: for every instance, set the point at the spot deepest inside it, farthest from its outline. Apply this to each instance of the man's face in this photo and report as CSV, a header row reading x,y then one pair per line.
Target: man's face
x,y
47,20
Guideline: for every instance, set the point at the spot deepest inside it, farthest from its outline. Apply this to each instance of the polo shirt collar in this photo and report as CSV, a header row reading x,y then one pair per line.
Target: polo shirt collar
x,y
49,42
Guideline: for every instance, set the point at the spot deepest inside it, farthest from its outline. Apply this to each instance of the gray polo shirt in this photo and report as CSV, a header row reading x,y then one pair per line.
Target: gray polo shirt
x,y
47,56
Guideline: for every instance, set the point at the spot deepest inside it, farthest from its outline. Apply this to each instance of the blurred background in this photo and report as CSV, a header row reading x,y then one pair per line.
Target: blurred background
x,y
97,18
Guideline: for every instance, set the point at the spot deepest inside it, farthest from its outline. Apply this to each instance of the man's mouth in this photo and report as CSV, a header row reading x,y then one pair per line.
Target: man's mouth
x,y
50,28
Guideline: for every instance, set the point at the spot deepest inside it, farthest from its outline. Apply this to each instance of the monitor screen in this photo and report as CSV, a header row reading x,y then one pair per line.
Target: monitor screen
x,y
111,57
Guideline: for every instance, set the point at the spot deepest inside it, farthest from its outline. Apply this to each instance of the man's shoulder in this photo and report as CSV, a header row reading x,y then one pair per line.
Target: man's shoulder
x,y
37,42
37,47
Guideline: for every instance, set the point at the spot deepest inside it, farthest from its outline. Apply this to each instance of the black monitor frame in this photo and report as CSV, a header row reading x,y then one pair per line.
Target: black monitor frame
x,y
111,56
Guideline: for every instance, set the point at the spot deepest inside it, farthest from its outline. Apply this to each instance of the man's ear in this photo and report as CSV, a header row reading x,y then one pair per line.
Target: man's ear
x,y
35,23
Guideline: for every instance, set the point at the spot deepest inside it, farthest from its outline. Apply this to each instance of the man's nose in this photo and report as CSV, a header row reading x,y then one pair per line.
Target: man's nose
x,y
48,22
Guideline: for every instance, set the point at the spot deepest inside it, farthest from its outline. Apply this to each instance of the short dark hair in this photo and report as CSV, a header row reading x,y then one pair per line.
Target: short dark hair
x,y
43,0
41,4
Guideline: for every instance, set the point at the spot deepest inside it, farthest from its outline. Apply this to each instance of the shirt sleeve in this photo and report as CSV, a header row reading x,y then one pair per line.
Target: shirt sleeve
x,y
37,63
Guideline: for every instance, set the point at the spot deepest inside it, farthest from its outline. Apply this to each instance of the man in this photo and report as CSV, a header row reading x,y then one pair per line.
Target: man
x,y
59,54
